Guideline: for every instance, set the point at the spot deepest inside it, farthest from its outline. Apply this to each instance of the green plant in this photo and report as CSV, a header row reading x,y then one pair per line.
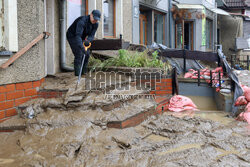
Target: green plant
x,y
127,58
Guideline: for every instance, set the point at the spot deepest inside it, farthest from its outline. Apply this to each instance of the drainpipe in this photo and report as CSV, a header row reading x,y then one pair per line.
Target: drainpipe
x,y
170,22
63,64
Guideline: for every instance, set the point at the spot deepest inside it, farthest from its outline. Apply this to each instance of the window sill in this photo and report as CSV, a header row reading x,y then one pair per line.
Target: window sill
x,y
5,53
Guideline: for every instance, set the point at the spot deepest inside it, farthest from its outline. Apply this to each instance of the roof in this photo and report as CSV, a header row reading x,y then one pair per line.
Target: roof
x,y
237,3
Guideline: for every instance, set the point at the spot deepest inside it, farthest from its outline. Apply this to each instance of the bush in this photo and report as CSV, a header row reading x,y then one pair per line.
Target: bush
x,y
127,58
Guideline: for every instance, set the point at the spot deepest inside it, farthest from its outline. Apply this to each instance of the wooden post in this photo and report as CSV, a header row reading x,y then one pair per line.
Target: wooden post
x,y
184,61
211,78
248,68
219,80
199,78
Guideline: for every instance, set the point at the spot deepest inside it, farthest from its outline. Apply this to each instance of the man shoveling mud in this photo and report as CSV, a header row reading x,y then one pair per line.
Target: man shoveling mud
x,y
82,31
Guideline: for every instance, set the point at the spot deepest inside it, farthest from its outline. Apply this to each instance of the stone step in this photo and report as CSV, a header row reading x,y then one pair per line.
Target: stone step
x,y
14,123
106,102
129,114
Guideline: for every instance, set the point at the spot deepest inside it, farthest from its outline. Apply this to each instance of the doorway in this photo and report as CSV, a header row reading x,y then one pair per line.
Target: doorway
x,y
188,35
184,35
143,29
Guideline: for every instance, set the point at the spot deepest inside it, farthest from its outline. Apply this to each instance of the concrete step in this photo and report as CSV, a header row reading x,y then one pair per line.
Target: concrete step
x,y
14,123
127,115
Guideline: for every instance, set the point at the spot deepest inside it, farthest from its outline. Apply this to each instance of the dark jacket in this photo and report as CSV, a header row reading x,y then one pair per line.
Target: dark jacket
x,y
80,29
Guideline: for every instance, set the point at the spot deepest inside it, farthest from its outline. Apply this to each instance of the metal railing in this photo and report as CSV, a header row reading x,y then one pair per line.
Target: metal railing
x,y
241,62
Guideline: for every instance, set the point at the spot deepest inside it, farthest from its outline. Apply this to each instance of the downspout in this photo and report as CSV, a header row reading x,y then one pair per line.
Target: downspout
x,y
63,64
170,22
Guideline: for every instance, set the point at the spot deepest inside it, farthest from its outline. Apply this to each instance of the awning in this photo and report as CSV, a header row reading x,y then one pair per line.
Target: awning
x,y
220,11
189,6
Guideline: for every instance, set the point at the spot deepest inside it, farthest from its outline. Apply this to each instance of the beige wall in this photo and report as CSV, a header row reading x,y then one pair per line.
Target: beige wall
x,y
30,66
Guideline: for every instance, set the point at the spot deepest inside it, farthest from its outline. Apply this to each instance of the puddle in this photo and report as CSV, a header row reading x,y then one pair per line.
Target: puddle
x,y
181,148
6,161
204,103
219,116
157,138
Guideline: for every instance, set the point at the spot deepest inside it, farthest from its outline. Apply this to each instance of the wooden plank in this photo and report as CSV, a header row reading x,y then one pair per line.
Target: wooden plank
x,y
24,50
107,44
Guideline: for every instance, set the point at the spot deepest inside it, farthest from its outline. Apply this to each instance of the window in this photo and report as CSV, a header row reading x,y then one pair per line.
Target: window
x,y
109,18
159,28
209,34
143,29
8,24
76,8
1,25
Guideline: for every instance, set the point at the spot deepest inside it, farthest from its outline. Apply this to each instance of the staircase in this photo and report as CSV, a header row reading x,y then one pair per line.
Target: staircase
x,y
75,107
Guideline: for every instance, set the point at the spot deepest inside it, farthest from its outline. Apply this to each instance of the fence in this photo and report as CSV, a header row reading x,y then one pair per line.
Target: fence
x,y
189,54
240,62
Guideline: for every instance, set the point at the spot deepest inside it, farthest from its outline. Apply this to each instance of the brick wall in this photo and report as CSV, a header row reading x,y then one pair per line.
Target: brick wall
x,y
13,95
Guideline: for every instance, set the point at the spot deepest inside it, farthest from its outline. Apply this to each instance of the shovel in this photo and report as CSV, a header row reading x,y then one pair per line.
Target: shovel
x,y
83,58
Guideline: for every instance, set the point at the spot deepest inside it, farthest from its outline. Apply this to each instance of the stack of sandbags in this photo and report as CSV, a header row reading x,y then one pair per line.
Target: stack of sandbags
x,y
244,100
180,103
206,74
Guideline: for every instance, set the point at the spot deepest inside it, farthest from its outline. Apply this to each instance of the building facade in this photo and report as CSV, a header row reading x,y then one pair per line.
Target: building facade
x,y
237,25
194,25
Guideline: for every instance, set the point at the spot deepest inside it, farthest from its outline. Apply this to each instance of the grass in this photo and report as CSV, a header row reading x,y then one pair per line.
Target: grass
x,y
133,59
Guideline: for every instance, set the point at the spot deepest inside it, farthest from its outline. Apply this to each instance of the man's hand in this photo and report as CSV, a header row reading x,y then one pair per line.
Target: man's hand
x,y
86,43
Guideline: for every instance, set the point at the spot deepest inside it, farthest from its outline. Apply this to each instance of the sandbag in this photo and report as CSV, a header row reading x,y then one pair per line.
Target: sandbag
x,y
180,103
247,93
188,75
240,101
247,109
244,116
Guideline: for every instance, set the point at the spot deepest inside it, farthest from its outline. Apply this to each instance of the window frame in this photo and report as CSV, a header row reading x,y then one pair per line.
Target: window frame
x,y
210,46
164,17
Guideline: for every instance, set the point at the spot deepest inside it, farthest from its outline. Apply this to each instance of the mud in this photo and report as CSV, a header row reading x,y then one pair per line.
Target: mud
x,y
72,139
72,131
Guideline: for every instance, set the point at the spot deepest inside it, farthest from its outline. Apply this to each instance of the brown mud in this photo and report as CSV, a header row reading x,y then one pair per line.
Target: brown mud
x,y
72,131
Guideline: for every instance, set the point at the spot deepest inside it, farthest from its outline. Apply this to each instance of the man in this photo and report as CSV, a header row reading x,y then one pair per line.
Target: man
x,y
81,31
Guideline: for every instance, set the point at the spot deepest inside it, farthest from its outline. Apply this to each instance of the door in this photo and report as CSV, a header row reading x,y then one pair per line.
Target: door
x,y
143,29
188,35
184,35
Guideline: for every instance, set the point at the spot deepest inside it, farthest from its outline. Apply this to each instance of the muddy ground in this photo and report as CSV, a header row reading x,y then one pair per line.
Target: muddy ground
x,y
60,136
163,140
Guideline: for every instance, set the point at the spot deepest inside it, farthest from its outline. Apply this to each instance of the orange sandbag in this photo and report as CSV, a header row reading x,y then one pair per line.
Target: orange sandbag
x,y
247,109
244,116
247,93
180,103
241,101
219,69
194,77
188,75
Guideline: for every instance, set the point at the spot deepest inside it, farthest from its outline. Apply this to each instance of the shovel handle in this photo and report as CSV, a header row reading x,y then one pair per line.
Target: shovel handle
x,y
86,47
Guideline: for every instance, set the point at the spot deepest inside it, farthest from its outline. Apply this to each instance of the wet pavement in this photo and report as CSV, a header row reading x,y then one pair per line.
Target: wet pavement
x,y
72,132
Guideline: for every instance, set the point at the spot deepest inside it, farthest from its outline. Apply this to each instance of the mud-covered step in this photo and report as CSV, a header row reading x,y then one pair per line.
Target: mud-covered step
x,y
106,101
67,81
132,114
14,123
55,118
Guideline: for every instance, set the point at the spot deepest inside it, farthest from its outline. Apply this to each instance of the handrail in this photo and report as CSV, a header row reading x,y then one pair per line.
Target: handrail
x,y
25,49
